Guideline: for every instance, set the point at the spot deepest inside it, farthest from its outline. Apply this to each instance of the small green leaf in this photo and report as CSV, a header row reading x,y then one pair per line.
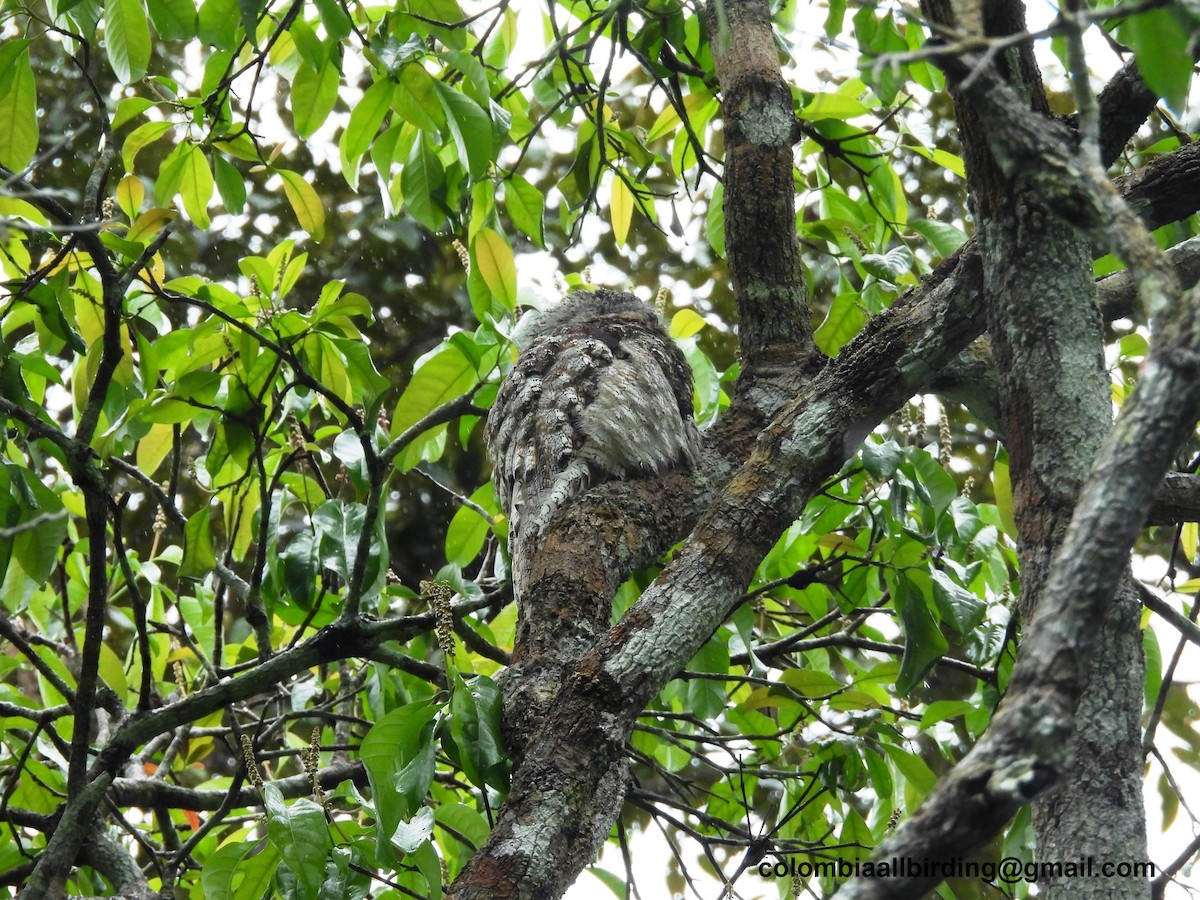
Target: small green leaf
x,y
470,127
196,185
410,834
18,106
198,557
526,206
314,94
422,177
924,643
170,174
833,106
1160,39
300,834
811,683
914,769
249,11
365,119
889,266
145,134
844,320
127,36
174,20
217,23
305,203
475,727
1002,490
230,184
439,377
388,749
468,530
714,221
417,99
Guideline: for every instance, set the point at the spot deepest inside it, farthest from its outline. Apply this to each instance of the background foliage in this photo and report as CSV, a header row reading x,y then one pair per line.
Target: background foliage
x,y
261,278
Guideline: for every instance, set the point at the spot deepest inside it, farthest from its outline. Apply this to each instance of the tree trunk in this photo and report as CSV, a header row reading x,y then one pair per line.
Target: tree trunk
x,y
1047,344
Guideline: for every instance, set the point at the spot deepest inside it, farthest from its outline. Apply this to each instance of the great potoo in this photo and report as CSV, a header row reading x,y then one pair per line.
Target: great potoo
x,y
599,391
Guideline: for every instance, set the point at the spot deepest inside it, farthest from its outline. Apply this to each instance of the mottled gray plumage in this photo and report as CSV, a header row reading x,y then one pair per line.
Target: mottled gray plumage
x,y
599,391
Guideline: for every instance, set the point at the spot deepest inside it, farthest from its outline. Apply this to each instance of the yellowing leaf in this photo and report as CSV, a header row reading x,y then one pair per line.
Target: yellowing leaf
x,y
686,323
111,670
620,209
154,447
150,223
494,257
1189,539
305,203
130,194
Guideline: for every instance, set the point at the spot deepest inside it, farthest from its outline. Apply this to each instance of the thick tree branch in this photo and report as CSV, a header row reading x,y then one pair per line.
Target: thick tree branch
x,y
1022,752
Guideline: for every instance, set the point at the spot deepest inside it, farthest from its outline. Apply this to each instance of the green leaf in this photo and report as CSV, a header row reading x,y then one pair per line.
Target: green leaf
x,y
1002,490
198,558
422,176
387,749
127,37
417,99
217,23
494,257
844,320
142,136
365,119
230,184
301,835
475,727
305,203
941,710
833,106
37,521
914,769
174,20
937,484
889,266
881,460
1160,39
18,106
468,530
957,606
714,221
410,834
300,566
470,127
924,643
239,869
685,324
314,94
170,174
196,185
526,206
413,779
942,236
339,526
249,11
439,377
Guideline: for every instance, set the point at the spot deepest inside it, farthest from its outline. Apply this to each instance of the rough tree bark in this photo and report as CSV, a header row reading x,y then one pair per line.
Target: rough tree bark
x,y
1047,344
551,822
